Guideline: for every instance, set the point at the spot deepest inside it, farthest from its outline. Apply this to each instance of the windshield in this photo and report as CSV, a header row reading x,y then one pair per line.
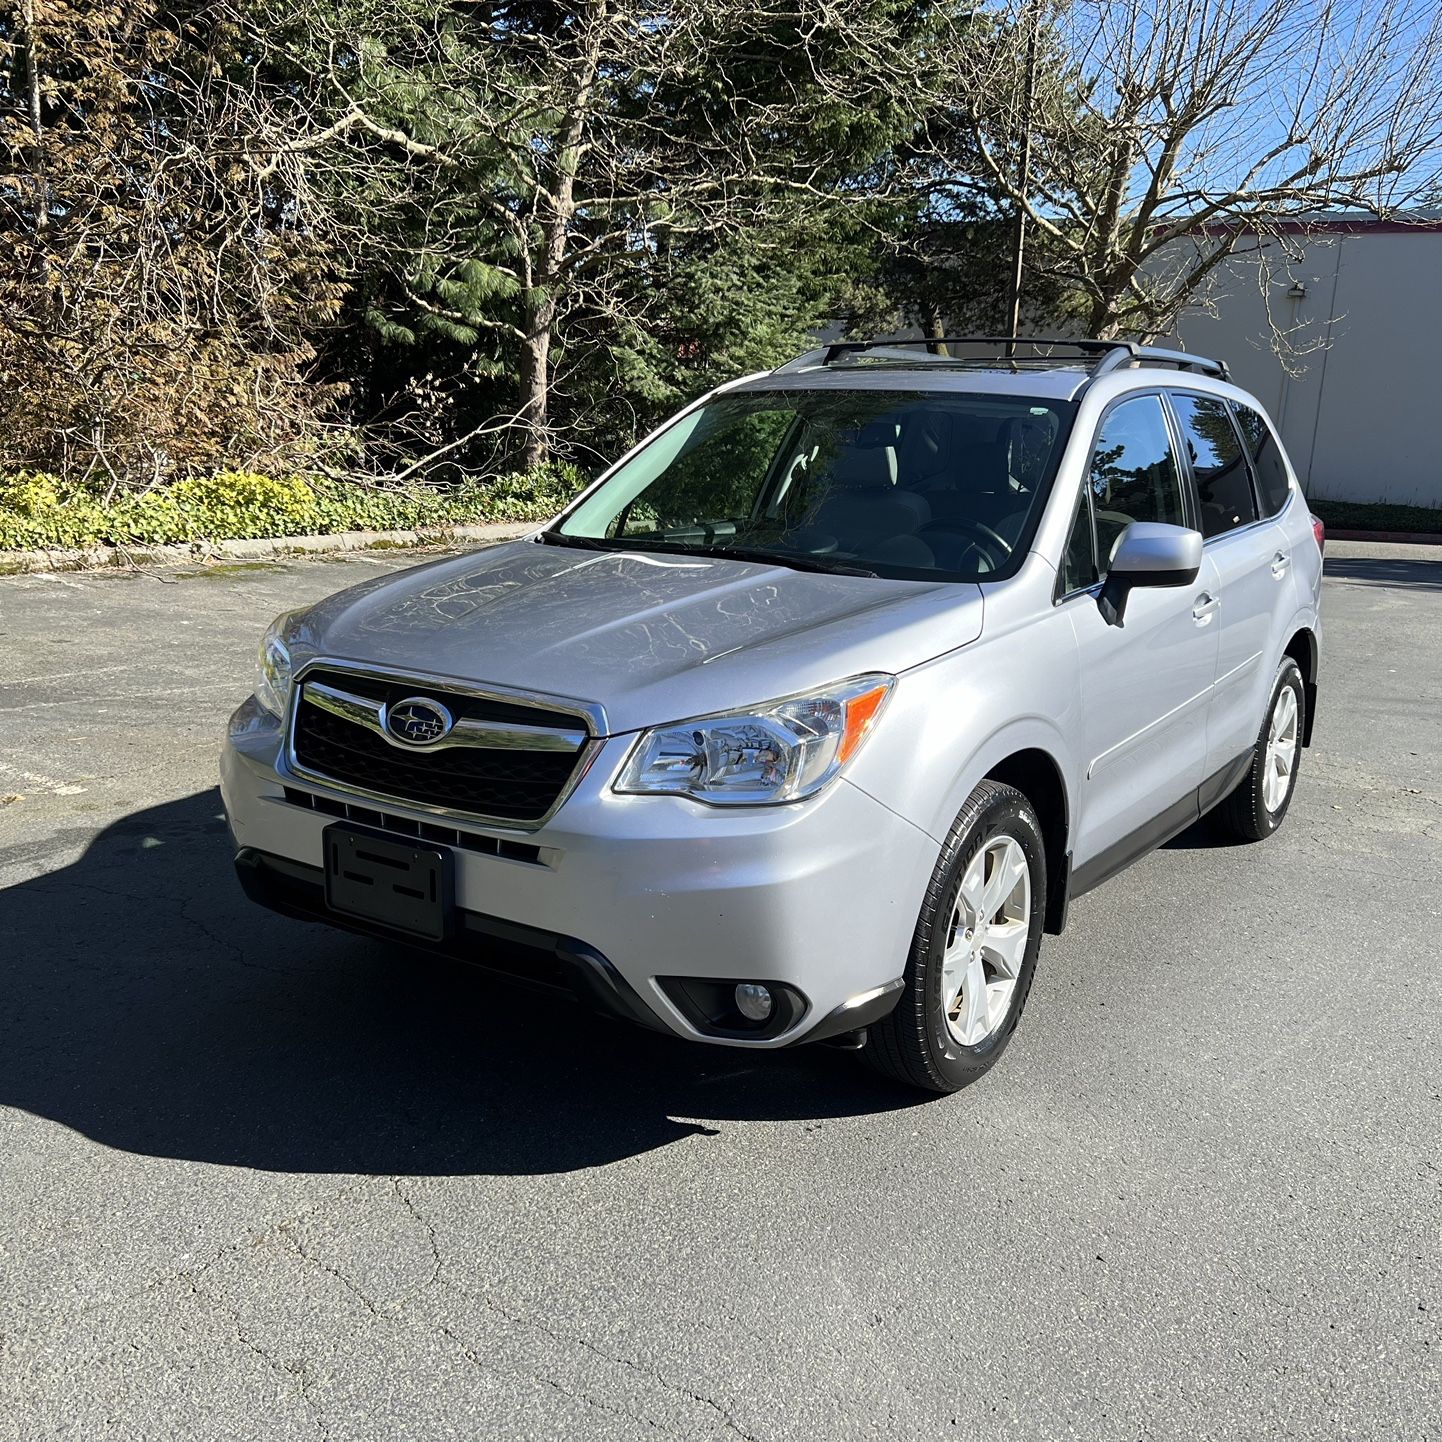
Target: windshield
x,y
924,484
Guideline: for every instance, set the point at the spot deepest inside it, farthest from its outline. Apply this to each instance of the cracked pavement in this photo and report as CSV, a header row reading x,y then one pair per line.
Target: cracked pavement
x,y
262,1180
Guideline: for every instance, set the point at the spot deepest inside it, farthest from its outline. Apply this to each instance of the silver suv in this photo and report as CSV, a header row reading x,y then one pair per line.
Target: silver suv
x,y
809,717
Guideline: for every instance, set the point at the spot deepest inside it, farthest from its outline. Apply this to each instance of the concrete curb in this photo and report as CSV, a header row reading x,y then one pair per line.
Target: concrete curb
x,y
1387,538
93,558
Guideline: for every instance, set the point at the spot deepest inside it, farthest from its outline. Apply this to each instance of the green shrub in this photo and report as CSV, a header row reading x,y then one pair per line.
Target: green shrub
x,y
1378,516
38,511
528,495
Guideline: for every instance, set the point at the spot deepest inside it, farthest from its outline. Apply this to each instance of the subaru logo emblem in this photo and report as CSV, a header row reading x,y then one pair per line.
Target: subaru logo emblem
x,y
418,721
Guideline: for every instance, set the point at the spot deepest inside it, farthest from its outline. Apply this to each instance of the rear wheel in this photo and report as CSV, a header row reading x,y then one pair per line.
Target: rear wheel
x,y
1256,808
974,949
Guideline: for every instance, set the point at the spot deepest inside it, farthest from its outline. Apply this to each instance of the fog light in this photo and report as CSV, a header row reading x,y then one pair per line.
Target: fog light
x,y
753,1001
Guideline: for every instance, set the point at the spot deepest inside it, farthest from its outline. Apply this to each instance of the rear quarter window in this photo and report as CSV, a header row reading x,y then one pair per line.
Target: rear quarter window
x,y
1268,464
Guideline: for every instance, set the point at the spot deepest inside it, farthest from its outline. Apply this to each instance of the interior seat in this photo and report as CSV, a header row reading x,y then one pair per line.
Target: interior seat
x,y
976,489
863,507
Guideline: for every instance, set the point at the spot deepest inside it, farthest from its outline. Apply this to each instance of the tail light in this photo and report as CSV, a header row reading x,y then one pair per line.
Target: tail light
x,y
1320,532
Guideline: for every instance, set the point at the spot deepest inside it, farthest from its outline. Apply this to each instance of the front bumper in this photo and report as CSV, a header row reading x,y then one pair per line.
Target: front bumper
x,y
618,897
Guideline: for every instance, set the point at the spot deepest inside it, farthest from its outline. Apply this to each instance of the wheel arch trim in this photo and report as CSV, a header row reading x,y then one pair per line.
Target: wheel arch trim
x,y
1305,649
1031,755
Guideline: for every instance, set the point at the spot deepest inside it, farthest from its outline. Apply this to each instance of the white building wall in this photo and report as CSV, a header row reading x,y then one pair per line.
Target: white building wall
x,y
1363,419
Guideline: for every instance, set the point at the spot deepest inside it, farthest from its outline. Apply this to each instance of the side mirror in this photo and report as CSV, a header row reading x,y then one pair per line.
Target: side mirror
x,y
1148,554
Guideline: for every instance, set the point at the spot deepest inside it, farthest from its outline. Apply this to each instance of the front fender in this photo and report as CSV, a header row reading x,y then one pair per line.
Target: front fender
x,y
939,736
1028,733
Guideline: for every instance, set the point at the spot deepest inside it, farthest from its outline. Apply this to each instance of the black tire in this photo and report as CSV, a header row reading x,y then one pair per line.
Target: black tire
x,y
914,1044
1244,816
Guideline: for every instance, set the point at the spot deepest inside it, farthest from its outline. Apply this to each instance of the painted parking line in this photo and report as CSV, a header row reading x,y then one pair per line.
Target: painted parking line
x,y
39,782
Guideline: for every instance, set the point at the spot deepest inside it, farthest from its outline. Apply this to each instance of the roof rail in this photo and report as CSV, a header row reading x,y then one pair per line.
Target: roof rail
x,y
1183,360
1106,355
806,358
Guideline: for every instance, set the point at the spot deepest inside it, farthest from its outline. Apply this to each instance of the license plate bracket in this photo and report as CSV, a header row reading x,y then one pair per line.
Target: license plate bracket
x,y
408,886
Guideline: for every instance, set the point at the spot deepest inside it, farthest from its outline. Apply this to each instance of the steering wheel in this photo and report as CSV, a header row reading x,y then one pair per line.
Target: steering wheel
x,y
981,530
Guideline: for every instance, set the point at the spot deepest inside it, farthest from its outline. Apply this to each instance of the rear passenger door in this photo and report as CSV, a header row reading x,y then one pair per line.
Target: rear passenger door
x,y
1145,686
1246,573
1282,502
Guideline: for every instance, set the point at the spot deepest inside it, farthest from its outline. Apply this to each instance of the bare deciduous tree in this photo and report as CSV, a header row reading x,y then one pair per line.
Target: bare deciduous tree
x,y
1164,130
155,295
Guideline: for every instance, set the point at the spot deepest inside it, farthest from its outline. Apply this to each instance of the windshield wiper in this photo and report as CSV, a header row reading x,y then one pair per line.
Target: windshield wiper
x,y
781,558
722,553
589,543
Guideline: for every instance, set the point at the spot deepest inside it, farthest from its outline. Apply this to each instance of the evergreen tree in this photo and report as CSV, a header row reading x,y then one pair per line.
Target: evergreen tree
x,y
558,183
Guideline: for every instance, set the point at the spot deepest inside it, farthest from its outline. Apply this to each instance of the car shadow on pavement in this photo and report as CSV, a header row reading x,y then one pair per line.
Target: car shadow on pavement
x,y
1415,574
148,1005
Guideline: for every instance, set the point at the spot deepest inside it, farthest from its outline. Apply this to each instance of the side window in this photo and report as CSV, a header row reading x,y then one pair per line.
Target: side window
x,y
1079,567
1134,475
1273,483
1223,485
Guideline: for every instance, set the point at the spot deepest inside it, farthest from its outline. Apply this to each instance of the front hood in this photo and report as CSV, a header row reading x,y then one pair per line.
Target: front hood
x,y
648,638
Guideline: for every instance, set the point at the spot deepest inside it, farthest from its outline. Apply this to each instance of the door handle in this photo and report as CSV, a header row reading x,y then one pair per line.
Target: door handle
x,y
1204,607
1280,562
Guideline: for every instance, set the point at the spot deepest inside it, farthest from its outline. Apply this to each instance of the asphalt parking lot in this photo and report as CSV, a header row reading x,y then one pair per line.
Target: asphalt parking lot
x,y
261,1180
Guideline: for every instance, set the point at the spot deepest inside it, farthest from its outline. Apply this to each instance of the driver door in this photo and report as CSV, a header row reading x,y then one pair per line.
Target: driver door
x,y
1145,685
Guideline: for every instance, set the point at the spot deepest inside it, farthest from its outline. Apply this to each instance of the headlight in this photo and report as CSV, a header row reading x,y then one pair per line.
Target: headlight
x,y
272,667
783,751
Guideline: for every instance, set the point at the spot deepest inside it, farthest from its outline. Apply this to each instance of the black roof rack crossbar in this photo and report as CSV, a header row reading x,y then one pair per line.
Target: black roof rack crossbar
x,y
838,350
1109,355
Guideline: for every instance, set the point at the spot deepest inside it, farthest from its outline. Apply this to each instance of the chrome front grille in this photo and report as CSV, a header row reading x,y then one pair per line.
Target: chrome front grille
x,y
499,759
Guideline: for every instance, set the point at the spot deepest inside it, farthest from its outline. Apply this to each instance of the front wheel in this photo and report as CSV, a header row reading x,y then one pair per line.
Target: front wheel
x,y
1256,808
974,949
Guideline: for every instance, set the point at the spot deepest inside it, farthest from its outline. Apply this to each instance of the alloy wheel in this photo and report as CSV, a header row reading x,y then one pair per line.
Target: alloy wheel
x,y
986,940
1282,743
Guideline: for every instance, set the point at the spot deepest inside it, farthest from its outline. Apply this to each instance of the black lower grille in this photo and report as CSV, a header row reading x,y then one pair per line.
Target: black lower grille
x,y
504,783
364,815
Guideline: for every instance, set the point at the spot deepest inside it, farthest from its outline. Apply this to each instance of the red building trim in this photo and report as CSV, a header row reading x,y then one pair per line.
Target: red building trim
x,y
1328,227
